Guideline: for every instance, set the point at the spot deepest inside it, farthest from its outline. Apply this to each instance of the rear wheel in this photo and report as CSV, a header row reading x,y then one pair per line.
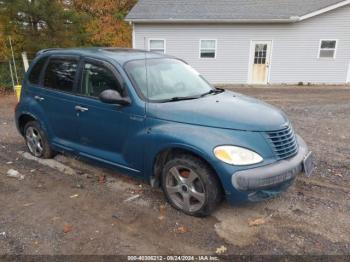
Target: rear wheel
x,y
191,186
36,141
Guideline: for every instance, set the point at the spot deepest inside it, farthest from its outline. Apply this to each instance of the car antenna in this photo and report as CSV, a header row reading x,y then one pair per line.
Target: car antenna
x,y
147,82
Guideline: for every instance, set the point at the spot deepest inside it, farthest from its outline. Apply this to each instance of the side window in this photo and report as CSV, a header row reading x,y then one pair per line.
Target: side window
x,y
98,78
34,76
60,74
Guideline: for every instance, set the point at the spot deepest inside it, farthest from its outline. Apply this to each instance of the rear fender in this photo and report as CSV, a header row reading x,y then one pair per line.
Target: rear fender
x,y
35,110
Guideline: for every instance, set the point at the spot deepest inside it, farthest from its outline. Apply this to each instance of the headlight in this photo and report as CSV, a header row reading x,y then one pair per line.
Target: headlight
x,y
237,156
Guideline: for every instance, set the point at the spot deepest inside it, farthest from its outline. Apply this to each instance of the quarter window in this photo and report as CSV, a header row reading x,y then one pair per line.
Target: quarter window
x,y
328,48
34,76
157,45
60,74
208,49
98,78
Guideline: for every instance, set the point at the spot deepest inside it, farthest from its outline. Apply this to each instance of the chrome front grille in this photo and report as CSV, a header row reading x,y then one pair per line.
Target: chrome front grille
x,y
284,142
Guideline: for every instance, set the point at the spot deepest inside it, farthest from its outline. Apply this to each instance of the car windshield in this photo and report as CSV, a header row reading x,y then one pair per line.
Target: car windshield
x,y
167,80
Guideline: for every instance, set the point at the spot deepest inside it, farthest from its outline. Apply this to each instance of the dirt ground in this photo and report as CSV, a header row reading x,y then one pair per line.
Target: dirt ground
x,y
50,212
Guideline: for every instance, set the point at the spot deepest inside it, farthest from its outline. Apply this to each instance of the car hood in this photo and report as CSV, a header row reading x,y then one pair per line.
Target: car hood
x,y
227,110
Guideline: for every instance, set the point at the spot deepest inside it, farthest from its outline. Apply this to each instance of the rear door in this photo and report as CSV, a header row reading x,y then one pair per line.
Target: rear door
x,y
58,99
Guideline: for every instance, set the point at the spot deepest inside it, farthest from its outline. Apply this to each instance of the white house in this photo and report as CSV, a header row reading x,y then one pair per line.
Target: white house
x,y
250,41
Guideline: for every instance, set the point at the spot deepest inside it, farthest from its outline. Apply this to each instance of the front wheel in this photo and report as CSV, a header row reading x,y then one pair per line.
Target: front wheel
x,y
191,186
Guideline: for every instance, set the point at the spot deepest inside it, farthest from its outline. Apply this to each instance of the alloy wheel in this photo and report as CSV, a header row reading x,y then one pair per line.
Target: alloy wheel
x,y
185,189
34,141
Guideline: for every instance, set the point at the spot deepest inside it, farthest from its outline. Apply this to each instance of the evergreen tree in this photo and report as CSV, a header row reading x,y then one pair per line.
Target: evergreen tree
x,y
39,24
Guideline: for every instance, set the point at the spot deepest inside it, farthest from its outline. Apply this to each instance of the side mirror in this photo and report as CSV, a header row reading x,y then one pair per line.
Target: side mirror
x,y
113,97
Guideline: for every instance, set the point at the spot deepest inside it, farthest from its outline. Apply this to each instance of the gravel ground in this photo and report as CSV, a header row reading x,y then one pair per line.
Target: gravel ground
x,y
50,212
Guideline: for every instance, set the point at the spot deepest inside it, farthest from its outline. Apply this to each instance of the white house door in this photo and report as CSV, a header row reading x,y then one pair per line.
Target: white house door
x,y
260,62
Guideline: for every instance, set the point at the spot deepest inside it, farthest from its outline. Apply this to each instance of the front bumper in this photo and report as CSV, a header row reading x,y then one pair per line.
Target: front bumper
x,y
271,178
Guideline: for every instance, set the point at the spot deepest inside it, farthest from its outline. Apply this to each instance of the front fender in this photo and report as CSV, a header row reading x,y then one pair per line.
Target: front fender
x,y
201,141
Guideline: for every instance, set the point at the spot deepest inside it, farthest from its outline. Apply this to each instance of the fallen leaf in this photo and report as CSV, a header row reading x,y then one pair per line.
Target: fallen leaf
x,y
102,179
162,212
257,222
221,250
182,230
67,229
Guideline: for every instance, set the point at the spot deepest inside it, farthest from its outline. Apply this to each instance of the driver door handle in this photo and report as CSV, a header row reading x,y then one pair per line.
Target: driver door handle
x,y
81,109
39,98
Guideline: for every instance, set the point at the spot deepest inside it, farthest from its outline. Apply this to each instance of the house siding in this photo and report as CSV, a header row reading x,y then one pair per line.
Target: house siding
x,y
294,55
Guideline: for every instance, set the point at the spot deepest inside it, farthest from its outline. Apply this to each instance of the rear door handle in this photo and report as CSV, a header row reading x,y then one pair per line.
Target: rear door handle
x,y
39,98
81,109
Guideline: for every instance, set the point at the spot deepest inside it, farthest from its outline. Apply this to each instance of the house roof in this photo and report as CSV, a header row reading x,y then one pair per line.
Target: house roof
x,y
203,11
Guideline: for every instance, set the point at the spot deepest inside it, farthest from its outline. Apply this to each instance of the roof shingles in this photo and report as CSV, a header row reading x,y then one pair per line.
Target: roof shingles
x,y
225,9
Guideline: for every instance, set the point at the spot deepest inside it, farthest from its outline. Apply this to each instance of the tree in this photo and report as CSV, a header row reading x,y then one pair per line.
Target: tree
x,y
39,24
106,26
4,50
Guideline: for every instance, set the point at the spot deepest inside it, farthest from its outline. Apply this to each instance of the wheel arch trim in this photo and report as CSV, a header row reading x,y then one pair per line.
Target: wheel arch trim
x,y
33,116
162,154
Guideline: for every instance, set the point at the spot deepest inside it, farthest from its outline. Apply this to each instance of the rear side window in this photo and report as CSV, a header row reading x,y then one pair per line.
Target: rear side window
x,y
98,78
60,74
34,76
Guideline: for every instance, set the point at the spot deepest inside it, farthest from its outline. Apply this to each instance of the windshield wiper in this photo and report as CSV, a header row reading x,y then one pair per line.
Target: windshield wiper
x,y
179,98
213,92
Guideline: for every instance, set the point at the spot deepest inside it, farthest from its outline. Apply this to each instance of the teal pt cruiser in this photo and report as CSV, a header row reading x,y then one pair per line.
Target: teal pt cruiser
x,y
154,117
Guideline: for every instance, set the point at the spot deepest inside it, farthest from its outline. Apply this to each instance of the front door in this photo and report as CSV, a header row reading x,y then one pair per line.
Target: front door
x,y
260,62
107,131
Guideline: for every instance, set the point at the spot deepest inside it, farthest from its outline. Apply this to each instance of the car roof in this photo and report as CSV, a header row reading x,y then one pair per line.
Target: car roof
x,y
120,55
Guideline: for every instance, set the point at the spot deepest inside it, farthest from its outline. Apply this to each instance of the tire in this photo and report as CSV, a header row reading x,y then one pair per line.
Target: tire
x,y
36,141
191,186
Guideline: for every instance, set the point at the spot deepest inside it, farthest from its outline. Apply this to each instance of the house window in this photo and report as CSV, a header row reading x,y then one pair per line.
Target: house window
x,y
157,45
208,49
328,48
